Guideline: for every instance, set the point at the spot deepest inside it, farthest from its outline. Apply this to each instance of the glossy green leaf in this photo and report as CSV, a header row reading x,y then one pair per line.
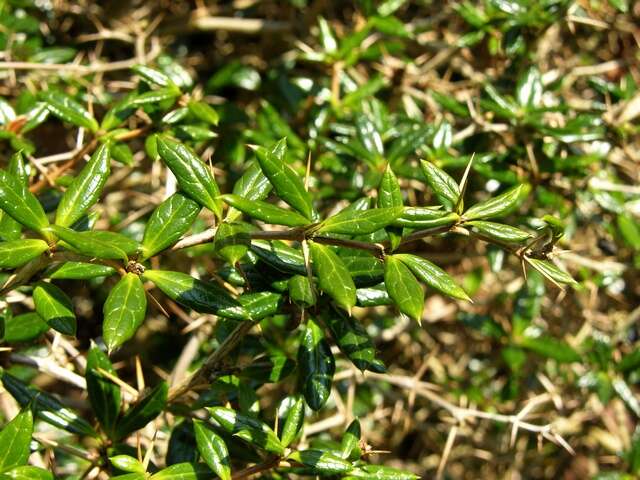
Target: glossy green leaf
x,y
333,276
232,241
104,395
68,110
203,112
301,291
379,472
529,89
145,410
46,407
253,185
10,228
26,472
194,177
266,212
152,76
316,365
169,221
259,305
280,256
496,206
165,96
551,271
433,275
127,463
81,271
213,449
445,187
23,328
203,297
499,231
183,471
124,311
18,202
55,308
403,287
98,244
359,222
86,188
321,462
16,253
352,339
247,428
350,444
15,438
293,422
365,270
286,182
425,217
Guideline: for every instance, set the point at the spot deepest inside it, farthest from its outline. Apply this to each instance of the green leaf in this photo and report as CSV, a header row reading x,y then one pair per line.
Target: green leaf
x,y
68,110
183,471
26,472
529,89
259,305
425,217
18,252
403,287
446,189
389,193
232,241
81,271
10,228
321,462
98,244
497,206
286,182
379,472
280,256
301,291
153,76
194,177
550,347
168,222
316,365
164,96
498,231
433,275
55,308
104,395
23,328
253,185
86,188
213,449
266,212
46,407
293,423
203,297
143,411
333,276
352,339
350,445
203,112
127,464
249,429
365,270
124,311
15,438
550,271
359,222
130,476
19,203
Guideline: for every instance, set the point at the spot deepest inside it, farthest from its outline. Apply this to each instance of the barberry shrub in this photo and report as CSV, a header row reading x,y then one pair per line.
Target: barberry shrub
x,y
191,290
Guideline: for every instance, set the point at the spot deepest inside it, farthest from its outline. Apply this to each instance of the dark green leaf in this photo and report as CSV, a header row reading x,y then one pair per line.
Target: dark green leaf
x,y
10,228
403,287
280,256
253,185
148,408
286,182
360,222
445,187
203,297
18,252
293,422
213,450
152,76
321,462
55,308
248,429
183,471
333,276
15,438
301,291
351,338
194,177
168,222
433,275
266,212
98,244
18,202
104,395
259,305
350,445
316,365
124,311
232,241
86,188
68,110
